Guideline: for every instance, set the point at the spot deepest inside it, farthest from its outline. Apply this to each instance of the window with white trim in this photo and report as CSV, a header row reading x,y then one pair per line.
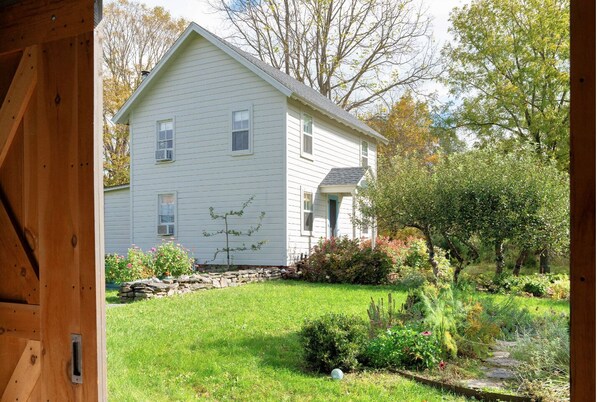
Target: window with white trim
x,y
165,141
307,137
364,154
307,212
166,214
241,131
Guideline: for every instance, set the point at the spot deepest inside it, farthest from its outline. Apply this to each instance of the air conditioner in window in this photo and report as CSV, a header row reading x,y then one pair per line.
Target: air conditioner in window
x,y
164,155
166,230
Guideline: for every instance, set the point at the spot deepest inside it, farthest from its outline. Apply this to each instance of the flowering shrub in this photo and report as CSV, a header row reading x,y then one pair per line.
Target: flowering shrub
x,y
116,269
404,347
172,260
167,259
341,260
140,264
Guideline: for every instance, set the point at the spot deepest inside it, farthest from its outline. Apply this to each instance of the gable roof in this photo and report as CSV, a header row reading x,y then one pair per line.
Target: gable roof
x,y
287,85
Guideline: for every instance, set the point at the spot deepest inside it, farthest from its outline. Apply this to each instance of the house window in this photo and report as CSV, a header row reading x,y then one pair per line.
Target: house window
x,y
307,137
166,214
165,144
307,214
364,154
241,131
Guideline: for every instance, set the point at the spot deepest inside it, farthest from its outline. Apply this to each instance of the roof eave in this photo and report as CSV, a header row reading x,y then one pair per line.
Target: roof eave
x,y
376,136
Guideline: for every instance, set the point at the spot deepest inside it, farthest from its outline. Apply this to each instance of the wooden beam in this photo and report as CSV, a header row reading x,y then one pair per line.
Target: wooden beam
x,y
583,200
20,320
26,374
34,22
16,100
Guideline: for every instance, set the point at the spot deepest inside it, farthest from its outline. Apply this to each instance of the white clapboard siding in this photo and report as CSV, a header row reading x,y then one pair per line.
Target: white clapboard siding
x,y
117,220
198,90
334,146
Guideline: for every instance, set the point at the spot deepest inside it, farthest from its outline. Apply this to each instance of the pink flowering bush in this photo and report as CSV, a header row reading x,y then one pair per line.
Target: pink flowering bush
x,y
116,268
172,259
124,269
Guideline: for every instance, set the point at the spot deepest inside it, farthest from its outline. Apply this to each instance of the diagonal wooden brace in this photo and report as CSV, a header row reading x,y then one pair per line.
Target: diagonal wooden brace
x,y
15,251
25,376
16,100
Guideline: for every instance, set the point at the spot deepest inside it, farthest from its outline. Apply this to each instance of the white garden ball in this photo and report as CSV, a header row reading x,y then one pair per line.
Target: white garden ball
x,y
336,374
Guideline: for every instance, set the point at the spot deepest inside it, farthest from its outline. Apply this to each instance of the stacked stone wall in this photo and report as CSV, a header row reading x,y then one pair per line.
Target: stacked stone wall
x,y
156,288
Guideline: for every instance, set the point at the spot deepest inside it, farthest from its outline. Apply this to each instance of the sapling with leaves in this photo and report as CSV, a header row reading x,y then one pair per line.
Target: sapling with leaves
x,y
228,231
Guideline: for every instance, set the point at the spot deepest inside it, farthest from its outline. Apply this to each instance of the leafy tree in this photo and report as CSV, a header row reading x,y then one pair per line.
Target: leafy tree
x,y
355,52
509,64
228,231
134,38
407,126
494,197
402,196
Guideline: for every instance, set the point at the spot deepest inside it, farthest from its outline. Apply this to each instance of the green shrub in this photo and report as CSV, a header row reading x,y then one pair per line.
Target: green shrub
x,y
544,354
404,347
116,269
341,260
172,260
477,333
334,341
507,316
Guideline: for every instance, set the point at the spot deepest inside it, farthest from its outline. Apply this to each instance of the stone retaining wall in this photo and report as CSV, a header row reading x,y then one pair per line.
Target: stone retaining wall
x,y
156,288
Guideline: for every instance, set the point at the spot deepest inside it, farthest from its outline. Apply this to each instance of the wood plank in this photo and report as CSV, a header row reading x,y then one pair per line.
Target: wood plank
x,y
26,374
583,201
68,179
30,198
16,100
15,261
20,320
32,22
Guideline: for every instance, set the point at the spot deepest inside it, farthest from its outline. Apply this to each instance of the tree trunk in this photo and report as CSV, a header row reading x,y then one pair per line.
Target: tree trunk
x,y
520,260
544,262
431,255
457,255
500,257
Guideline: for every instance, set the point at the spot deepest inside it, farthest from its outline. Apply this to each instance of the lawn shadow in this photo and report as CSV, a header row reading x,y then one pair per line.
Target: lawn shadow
x,y
280,352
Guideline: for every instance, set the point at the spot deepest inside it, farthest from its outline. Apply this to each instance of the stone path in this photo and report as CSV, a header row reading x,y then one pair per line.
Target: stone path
x,y
498,368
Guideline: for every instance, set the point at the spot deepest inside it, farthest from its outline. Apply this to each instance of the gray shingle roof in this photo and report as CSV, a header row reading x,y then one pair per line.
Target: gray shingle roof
x,y
306,93
343,176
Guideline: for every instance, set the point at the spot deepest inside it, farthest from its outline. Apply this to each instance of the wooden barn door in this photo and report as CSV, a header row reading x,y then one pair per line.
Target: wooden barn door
x,y
51,294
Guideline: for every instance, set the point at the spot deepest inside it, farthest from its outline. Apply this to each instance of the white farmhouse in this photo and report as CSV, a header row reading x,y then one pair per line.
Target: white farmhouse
x,y
212,126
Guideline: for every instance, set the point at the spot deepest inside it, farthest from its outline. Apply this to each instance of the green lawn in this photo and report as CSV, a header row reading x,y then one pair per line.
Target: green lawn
x,y
239,344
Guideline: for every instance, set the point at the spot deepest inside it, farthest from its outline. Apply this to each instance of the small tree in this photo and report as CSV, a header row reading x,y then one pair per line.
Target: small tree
x,y
227,231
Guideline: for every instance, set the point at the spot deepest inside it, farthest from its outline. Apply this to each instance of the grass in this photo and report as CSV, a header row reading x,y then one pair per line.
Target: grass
x,y
240,344
112,296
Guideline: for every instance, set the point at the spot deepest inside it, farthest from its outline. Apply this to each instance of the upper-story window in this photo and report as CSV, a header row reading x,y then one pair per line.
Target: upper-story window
x,y
241,131
307,137
166,214
364,154
165,143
